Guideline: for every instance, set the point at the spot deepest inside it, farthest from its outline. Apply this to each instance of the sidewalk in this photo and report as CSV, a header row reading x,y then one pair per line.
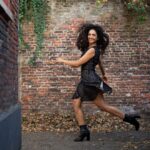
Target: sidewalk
x,y
123,140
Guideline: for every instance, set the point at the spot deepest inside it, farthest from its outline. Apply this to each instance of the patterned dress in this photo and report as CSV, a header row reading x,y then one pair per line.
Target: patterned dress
x,y
90,84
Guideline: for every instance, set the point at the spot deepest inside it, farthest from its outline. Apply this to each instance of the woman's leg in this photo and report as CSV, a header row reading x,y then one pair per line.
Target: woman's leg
x,y
99,101
84,131
77,105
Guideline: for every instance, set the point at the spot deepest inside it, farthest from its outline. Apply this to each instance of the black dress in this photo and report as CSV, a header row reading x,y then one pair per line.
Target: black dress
x,y
90,84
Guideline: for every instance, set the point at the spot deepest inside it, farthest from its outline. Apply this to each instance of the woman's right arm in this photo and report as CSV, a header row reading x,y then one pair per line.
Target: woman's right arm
x,y
76,63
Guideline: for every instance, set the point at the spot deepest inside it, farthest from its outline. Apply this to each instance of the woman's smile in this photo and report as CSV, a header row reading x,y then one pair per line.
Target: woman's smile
x,y
92,37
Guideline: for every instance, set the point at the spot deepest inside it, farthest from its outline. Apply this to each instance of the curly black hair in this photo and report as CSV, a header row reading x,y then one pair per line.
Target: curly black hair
x,y
82,39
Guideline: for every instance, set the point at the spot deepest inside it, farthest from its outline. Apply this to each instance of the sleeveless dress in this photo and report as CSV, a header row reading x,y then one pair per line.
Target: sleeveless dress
x,y
90,84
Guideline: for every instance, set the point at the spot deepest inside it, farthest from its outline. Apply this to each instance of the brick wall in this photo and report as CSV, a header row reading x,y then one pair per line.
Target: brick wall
x,y
8,58
49,88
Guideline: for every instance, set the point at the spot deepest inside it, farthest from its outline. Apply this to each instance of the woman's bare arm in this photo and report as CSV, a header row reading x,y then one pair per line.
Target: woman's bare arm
x,y
101,65
102,68
76,63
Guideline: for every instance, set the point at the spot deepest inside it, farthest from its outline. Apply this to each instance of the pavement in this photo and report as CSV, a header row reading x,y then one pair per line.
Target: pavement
x,y
122,140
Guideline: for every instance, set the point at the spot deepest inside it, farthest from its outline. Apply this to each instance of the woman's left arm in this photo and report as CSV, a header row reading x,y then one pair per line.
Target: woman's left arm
x,y
102,68
76,63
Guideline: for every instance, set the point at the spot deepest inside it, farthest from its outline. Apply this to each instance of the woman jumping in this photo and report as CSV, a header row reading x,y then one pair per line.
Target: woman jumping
x,y
92,41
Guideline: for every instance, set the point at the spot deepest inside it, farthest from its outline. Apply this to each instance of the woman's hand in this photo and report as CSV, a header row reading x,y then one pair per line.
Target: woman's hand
x,y
60,60
104,78
55,61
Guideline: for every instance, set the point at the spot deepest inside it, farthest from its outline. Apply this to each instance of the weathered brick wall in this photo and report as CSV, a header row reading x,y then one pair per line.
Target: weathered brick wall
x,y
8,58
49,87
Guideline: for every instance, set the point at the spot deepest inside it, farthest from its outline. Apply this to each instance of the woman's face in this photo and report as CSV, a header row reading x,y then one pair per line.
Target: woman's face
x,y
92,37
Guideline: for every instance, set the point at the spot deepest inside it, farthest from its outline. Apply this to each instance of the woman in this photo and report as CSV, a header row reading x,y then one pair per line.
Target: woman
x,y
92,41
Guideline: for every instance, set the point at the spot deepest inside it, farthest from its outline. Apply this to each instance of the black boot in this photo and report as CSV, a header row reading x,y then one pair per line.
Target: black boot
x,y
132,120
84,133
